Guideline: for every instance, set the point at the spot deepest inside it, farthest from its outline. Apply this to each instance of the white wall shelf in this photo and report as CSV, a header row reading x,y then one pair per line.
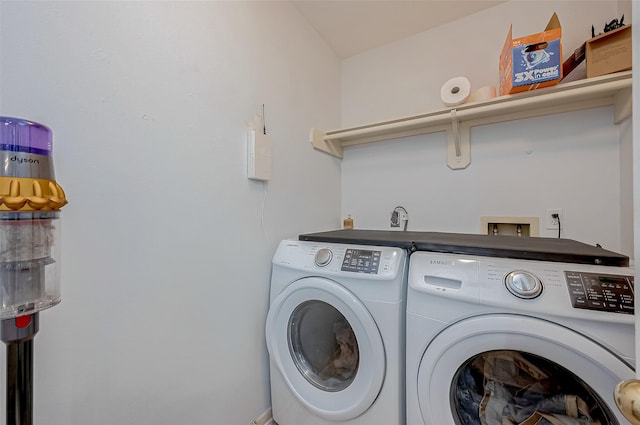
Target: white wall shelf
x,y
613,89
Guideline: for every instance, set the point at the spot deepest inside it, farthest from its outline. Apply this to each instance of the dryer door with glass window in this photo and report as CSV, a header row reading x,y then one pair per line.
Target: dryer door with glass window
x,y
327,347
500,368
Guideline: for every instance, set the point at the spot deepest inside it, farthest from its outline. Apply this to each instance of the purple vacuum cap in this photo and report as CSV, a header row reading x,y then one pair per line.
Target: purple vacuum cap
x,y
20,135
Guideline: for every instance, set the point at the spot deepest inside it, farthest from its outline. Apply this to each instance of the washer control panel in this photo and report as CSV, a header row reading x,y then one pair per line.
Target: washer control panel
x,y
553,289
603,292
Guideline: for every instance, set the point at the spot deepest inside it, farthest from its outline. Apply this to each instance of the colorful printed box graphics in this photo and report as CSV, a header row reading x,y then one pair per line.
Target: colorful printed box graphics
x,y
533,61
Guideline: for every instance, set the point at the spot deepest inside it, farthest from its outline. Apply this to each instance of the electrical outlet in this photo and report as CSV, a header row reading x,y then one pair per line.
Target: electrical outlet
x,y
554,218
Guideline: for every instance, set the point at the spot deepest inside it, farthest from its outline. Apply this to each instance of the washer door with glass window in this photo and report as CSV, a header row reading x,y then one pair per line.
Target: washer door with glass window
x,y
327,347
509,369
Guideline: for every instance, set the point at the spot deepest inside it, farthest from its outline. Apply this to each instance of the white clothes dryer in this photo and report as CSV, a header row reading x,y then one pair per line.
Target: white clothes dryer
x,y
494,340
335,334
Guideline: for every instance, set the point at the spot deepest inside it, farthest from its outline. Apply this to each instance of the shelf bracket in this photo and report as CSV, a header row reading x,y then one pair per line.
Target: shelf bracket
x,y
622,106
458,144
319,142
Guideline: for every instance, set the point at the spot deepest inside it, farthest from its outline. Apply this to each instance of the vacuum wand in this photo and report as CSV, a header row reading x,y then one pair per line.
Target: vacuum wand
x,y
18,335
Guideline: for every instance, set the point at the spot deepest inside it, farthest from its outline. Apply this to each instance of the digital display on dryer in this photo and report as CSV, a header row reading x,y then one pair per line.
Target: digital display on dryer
x,y
593,291
361,261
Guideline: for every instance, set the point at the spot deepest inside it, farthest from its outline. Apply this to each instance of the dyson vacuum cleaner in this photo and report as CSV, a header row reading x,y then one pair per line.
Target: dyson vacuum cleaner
x,y
30,203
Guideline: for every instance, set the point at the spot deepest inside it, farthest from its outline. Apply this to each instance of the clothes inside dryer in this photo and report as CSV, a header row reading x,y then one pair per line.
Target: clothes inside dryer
x,y
323,345
505,387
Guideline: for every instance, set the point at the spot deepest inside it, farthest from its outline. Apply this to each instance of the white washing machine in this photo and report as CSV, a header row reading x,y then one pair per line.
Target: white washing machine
x,y
495,341
335,334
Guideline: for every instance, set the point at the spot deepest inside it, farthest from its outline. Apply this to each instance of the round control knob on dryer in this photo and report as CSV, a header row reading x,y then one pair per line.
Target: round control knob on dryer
x,y
323,257
523,284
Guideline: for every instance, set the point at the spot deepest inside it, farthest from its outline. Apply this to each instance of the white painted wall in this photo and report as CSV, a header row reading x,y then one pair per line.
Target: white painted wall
x,y
573,161
167,245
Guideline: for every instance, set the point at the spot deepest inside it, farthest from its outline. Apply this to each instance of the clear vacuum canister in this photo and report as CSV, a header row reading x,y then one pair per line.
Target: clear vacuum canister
x,y
30,203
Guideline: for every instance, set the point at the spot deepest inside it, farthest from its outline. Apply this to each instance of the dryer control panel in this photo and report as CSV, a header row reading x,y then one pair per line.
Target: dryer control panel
x,y
603,292
361,260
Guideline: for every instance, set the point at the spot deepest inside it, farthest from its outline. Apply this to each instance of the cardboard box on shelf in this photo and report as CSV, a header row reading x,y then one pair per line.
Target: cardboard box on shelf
x,y
573,61
609,52
533,61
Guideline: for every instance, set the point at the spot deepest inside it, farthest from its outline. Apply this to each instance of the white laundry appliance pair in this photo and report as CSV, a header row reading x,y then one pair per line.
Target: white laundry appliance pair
x,y
419,328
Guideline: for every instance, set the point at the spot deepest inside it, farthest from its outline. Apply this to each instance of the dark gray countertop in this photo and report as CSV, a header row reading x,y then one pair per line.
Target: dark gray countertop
x,y
527,248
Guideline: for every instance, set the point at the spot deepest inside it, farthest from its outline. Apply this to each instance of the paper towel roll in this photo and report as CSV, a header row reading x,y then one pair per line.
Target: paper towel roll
x,y
455,91
483,93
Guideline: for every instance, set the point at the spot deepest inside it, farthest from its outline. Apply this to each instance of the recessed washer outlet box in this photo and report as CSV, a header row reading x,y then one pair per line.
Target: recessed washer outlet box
x,y
510,226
